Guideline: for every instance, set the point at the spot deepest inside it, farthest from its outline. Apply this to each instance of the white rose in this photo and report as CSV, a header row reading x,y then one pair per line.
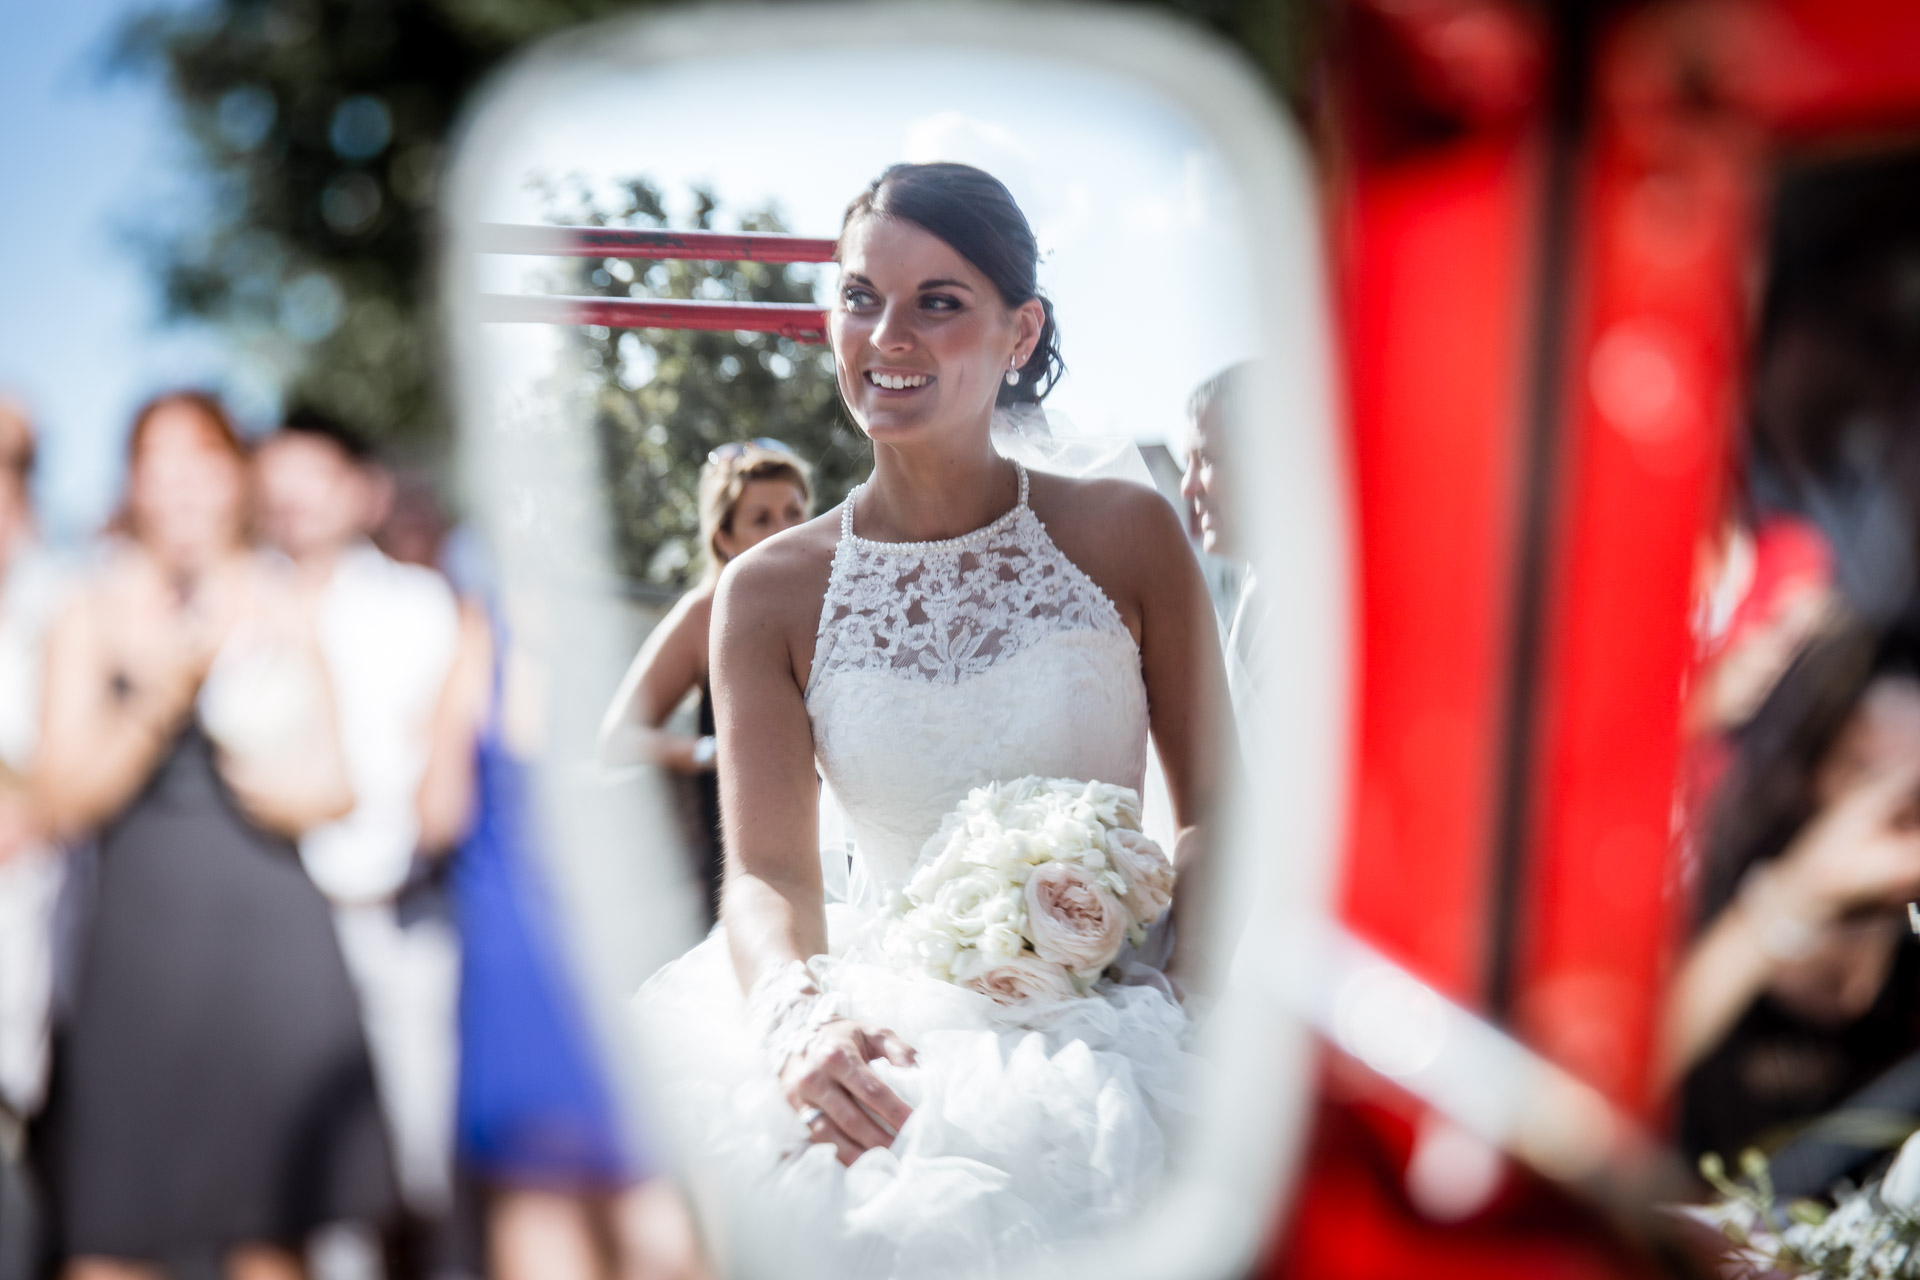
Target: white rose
x,y
1068,835
1110,805
1001,851
1002,941
921,940
1072,920
1024,979
940,857
1148,875
968,903
967,965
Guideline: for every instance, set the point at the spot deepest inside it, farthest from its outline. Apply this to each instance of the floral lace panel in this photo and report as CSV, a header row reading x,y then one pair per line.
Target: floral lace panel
x,y
945,611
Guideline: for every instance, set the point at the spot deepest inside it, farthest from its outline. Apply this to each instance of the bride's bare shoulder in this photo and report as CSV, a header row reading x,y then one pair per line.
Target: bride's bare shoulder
x,y
1106,511
1125,536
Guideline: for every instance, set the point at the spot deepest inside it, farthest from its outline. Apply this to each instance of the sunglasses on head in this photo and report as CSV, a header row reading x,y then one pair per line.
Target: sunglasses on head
x,y
738,448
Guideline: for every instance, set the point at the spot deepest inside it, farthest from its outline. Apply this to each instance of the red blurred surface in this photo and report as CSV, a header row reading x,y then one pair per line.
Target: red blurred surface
x,y
1357,1221
1440,141
1434,253
1651,385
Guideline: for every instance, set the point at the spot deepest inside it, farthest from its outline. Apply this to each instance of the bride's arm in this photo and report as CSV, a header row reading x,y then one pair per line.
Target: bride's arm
x,y
1180,660
773,902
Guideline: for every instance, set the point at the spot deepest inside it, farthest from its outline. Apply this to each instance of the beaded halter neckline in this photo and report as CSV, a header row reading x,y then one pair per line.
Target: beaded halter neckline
x,y
986,530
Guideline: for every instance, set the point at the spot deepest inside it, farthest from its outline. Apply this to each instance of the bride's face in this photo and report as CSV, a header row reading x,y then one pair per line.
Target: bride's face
x,y
921,338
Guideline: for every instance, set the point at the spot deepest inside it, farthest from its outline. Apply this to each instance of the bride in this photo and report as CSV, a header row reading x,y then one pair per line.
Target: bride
x,y
958,621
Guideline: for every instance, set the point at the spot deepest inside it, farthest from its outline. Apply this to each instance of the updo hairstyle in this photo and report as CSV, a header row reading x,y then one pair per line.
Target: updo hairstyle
x,y
725,477
974,213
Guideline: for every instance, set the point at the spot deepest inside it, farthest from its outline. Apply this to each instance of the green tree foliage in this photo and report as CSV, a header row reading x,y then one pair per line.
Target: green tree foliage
x,y
662,399
321,124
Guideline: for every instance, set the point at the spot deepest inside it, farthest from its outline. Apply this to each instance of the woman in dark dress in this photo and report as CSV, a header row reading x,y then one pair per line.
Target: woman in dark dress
x,y
212,1093
749,491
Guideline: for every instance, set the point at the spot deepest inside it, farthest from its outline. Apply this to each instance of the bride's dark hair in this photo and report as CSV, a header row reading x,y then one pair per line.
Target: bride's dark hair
x,y
974,212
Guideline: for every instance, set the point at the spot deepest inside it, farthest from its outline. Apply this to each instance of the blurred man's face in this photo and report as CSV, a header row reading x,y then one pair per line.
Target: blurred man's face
x,y
1207,487
314,499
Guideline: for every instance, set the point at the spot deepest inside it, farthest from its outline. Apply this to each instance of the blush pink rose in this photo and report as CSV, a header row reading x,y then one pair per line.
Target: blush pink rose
x,y
1022,980
1072,920
1148,874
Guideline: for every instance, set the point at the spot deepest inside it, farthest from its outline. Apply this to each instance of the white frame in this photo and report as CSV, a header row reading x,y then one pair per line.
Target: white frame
x,y
629,913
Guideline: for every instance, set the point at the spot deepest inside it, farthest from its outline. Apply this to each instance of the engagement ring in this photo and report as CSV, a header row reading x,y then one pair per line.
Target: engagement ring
x,y
811,1116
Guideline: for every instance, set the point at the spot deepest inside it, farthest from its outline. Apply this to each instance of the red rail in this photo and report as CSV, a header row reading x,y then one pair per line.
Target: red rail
x,y
627,242
795,320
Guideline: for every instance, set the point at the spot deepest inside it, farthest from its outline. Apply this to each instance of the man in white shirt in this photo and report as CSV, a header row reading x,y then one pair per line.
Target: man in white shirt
x,y
1215,411
388,633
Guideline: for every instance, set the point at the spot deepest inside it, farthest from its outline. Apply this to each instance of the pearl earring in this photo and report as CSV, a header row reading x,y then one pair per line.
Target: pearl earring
x,y
1013,376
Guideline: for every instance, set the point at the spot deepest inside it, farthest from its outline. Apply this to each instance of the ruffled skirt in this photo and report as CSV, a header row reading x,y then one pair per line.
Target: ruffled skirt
x,y
1030,1126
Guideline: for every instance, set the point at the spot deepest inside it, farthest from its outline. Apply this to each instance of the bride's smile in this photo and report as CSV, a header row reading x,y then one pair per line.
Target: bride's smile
x,y
891,381
922,337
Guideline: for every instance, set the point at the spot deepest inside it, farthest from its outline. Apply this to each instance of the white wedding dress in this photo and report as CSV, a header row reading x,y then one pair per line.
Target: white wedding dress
x,y
939,666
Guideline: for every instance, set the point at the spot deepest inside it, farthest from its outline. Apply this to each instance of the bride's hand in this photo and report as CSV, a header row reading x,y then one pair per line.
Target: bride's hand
x,y
856,1111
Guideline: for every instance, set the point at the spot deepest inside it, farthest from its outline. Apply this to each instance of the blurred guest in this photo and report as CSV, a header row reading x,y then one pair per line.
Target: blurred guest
x,y
1802,983
387,632
1215,413
749,491
538,1123
213,1097
414,527
29,866
419,530
1208,482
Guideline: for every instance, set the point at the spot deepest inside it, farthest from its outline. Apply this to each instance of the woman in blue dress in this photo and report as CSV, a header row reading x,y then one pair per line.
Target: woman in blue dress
x,y
537,1124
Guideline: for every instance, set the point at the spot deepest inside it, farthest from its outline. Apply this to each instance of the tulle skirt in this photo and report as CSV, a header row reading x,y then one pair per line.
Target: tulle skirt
x,y
1031,1126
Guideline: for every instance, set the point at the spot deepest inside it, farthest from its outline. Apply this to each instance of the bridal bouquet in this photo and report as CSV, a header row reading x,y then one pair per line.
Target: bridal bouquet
x,y
1029,889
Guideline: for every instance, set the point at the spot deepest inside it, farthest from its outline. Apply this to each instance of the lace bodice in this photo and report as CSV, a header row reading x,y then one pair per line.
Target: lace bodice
x,y
939,666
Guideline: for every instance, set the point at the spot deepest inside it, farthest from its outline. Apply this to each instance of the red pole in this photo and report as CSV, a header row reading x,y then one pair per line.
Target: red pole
x,y
795,320
626,242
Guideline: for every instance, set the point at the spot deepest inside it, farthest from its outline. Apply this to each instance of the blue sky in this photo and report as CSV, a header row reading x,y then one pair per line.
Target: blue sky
x,y
87,159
